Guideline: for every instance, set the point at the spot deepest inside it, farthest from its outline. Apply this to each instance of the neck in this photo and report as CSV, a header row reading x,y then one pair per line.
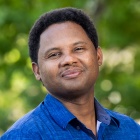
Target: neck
x,y
83,109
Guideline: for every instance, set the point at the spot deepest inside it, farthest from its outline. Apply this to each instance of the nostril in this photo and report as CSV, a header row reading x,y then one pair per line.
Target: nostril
x,y
71,64
68,61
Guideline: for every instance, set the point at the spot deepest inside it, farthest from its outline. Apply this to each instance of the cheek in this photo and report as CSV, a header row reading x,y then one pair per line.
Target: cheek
x,y
90,61
49,72
92,65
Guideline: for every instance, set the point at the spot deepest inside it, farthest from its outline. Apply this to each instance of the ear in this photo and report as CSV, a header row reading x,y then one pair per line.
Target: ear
x,y
99,56
35,69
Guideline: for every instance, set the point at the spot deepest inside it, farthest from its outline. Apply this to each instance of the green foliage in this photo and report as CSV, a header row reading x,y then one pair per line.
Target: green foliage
x,y
118,27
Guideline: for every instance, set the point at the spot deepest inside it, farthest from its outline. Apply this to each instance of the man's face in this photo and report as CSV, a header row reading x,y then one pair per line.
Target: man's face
x,y
68,63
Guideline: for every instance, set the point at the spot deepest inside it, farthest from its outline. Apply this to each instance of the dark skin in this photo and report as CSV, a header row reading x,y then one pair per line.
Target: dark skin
x,y
68,66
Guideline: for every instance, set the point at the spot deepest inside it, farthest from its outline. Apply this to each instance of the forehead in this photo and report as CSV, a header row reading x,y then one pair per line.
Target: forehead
x,y
59,27
61,32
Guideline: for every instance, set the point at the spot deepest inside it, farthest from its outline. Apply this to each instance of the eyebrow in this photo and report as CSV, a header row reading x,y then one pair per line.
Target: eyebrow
x,y
52,49
79,42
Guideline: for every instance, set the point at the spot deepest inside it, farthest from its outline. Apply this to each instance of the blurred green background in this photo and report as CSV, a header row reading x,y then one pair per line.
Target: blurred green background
x,y
118,26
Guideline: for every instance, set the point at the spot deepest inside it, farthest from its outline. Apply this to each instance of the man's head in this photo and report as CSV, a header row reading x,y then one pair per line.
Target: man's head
x,y
65,54
59,16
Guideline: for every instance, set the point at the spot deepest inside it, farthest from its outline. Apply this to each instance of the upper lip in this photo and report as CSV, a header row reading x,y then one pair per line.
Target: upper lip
x,y
71,71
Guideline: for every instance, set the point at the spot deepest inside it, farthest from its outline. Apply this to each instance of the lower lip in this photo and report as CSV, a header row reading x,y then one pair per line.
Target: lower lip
x,y
72,75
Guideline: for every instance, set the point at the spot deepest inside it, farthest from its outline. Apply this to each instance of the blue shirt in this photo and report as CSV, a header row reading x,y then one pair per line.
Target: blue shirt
x,y
52,121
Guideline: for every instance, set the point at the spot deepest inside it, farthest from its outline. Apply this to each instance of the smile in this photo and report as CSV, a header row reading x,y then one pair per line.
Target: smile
x,y
71,73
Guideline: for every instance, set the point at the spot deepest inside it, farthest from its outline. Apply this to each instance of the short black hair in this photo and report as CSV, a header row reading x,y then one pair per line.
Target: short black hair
x,y
59,16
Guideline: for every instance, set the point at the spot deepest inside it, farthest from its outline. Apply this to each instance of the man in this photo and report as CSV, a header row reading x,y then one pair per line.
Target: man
x,y
63,46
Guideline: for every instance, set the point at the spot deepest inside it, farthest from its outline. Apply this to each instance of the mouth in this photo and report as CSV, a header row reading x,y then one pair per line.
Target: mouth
x,y
71,73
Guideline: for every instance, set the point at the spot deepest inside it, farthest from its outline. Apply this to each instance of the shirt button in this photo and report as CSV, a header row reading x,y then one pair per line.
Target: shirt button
x,y
106,118
78,127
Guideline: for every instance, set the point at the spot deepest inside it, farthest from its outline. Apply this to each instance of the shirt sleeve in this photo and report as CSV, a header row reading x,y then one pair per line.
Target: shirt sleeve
x,y
17,135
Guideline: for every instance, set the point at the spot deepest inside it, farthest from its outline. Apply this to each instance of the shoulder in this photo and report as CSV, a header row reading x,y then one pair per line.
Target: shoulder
x,y
119,116
24,128
125,122
21,128
16,134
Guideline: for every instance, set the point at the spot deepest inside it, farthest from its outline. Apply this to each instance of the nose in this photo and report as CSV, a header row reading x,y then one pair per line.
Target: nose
x,y
68,60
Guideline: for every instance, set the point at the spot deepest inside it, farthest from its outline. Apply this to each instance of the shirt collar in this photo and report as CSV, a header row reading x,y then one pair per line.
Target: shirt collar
x,y
104,116
62,116
101,114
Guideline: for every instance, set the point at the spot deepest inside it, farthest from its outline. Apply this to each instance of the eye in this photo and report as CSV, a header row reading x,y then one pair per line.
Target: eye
x,y
79,49
54,55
